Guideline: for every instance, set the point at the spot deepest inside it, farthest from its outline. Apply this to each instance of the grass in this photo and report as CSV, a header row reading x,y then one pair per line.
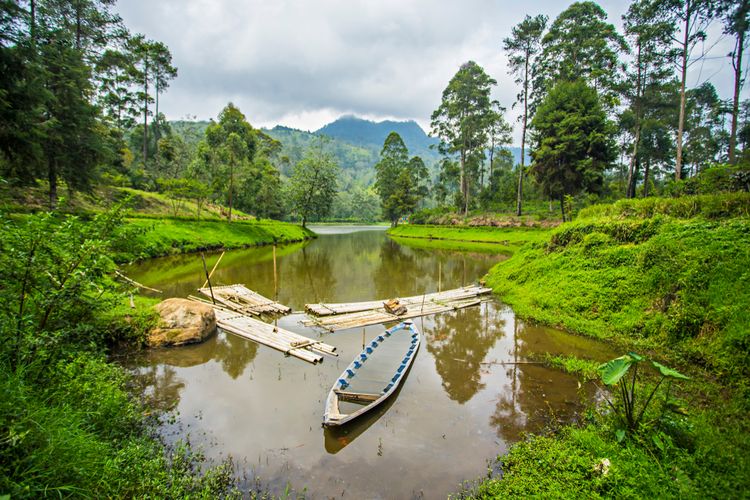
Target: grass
x,y
480,238
158,237
140,204
461,246
657,283
668,277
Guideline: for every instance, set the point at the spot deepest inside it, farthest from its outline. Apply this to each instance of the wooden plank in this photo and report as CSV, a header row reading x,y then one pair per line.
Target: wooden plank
x,y
378,316
357,397
322,309
241,299
272,336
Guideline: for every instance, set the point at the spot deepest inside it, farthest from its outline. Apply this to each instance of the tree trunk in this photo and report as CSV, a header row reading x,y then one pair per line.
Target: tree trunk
x,y
645,178
492,156
562,206
519,196
78,25
464,190
52,176
156,116
632,169
145,115
231,191
637,136
683,76
304,222
737,63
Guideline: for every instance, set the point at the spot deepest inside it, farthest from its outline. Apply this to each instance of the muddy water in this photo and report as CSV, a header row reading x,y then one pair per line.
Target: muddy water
x,y
461,404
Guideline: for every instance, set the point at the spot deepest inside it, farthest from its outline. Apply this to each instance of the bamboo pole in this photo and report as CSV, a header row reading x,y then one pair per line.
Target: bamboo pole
x,y
208,278
213,269
135,283
275,281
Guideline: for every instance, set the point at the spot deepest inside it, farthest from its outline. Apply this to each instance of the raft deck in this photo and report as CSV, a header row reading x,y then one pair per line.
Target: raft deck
x,y
241,299
333,317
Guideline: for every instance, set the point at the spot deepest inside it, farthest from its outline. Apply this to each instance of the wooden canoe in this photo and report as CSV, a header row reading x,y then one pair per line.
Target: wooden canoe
x,y
373,376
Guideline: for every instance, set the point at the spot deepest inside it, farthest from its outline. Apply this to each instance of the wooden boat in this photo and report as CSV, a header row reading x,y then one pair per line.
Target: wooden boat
x,y
373,376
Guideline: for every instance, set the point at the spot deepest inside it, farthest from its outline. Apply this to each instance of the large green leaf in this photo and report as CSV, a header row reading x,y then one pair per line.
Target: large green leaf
x,y
612,371
669,372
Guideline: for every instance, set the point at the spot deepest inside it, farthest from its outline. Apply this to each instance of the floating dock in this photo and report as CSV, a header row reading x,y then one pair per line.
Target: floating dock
x,y
289,343
272,336
241,299
340,316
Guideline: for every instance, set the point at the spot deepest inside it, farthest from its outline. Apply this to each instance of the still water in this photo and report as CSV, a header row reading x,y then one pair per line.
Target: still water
x,y
464,401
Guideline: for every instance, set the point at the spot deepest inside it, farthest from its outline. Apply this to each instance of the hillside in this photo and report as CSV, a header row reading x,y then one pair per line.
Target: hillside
x,y
354,142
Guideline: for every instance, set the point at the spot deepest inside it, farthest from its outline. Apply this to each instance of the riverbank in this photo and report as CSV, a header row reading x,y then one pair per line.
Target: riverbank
x,y
156,237
479,238
667,278
70,423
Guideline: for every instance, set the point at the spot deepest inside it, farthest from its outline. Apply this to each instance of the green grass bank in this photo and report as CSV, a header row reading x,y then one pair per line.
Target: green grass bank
x,y
167,236
478,238
665,277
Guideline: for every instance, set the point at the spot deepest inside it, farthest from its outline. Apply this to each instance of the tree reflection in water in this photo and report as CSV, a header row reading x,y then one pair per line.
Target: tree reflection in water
x,y
460,341
158,382
535,396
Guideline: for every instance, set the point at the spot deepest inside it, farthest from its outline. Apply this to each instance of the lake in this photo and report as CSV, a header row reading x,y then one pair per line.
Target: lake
x,y
473,389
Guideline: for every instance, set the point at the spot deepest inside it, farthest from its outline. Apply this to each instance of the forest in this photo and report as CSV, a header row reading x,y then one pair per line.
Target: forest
x,y
81,93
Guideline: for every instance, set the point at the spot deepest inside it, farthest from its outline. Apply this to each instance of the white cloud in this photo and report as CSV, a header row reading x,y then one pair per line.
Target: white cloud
x,y
304,63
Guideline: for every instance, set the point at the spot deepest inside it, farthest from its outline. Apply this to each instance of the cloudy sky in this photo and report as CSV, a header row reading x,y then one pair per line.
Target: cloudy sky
x,y
303,63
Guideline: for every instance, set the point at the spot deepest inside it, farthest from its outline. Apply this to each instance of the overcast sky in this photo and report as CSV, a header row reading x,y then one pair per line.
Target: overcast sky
x,y
303,63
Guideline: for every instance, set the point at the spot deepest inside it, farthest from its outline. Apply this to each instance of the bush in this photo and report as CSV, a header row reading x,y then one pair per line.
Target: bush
x,y
686,207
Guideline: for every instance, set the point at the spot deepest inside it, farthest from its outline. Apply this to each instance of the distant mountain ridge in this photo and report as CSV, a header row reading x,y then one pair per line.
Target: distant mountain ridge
x,y
356,143
367,133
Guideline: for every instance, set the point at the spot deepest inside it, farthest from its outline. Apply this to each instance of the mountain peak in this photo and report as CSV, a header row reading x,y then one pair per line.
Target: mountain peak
x,y
363,132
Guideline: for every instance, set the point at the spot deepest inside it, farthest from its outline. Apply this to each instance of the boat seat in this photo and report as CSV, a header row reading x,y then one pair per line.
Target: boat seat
x,y
356,397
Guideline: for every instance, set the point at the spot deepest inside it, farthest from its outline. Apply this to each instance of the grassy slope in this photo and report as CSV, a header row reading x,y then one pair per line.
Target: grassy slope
x,y
156,230
140,204
657,282
501,240
678,285
156,237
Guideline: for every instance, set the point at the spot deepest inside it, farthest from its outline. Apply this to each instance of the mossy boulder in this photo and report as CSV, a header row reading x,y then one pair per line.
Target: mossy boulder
x,y
181,322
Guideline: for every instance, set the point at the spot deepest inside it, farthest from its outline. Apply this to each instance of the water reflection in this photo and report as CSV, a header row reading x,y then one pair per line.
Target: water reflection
x,y
459,342
157,378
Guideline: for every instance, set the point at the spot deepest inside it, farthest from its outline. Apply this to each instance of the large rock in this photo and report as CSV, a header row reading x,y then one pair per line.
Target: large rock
x,y
182,322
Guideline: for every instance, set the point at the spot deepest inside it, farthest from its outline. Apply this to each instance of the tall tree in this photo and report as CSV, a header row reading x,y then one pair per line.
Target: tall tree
x,y
736,15
580,43
400,182
462,120
394,158
117,76
704,128
163,71
312,187
572,141
499,135
693,17
522,46
73,142
154,64
650,32
420,177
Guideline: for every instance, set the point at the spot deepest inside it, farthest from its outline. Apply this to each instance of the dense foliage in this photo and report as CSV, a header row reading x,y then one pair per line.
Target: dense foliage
x,y
69,426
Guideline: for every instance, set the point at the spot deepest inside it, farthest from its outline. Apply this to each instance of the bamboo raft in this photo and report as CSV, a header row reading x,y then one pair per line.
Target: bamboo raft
x,y
342,316
241,299
466,292
282,340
